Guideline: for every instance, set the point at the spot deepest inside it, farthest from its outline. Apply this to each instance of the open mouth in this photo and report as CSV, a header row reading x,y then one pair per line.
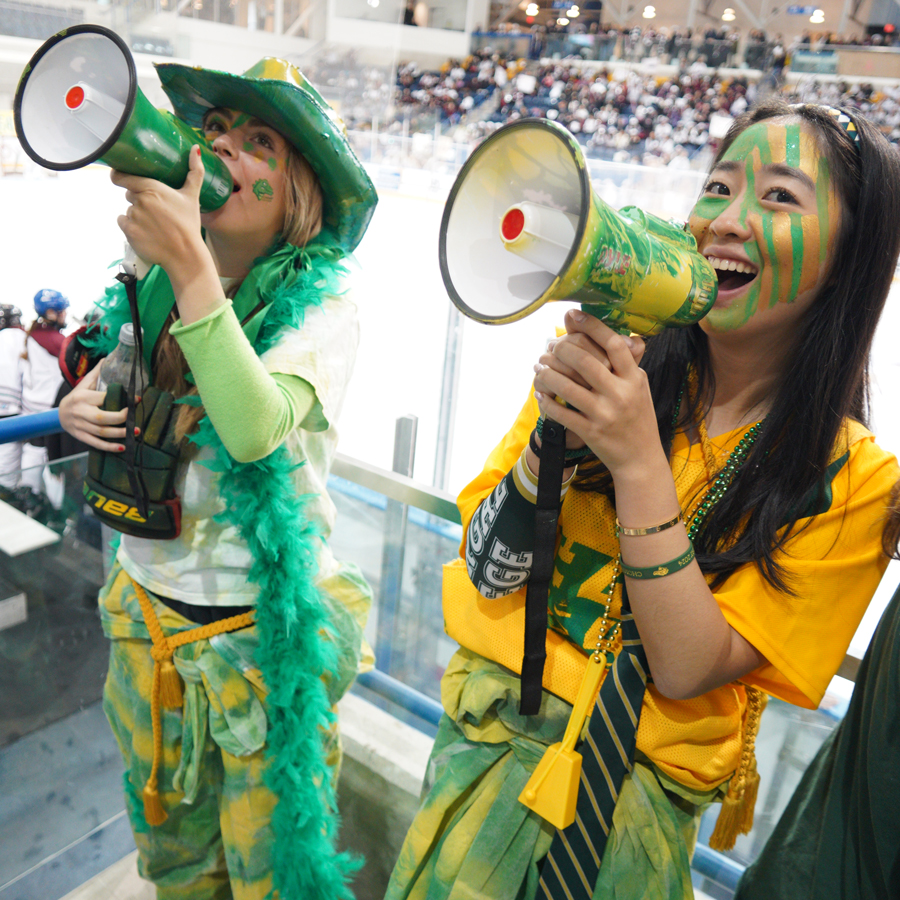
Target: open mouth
x,y
732,274
235,188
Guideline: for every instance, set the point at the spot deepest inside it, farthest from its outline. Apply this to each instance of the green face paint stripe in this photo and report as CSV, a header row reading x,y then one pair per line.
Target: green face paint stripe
x,y
765,159
749,205
799,250
793,138
248,147
273,163
710,207
792,145
240,119
792,158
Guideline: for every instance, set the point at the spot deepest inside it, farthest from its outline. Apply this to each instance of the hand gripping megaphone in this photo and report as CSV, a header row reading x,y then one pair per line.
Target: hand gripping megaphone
x,y
522,226
78,102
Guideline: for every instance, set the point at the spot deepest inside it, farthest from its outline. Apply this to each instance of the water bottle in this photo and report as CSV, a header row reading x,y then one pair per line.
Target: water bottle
x,y
116,368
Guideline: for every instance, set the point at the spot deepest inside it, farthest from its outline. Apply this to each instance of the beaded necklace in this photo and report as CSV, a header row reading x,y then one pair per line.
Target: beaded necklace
x,y
609,636
723,480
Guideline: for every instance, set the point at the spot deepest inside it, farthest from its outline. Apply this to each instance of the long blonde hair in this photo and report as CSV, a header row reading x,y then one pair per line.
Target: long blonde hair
x,y
302,222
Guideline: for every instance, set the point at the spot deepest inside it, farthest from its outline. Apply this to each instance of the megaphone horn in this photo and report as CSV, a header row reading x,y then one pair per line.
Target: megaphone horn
x,y
522,226
78,102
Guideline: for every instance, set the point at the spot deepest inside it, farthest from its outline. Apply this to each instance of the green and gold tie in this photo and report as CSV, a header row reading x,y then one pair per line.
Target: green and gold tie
x,y
571,867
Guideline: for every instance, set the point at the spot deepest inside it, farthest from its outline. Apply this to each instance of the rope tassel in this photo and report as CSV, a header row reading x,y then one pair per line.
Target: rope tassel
x,y
166,690
153,808
171,693
736,816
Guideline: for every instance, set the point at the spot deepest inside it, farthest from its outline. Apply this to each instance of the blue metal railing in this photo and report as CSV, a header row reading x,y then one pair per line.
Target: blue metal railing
x,y
402,694
23,428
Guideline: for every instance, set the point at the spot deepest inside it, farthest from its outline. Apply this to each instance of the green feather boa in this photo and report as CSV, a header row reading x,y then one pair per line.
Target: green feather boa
x,y
261,502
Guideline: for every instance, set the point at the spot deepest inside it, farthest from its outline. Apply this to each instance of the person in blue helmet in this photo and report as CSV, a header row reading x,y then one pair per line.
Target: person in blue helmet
x,y
42,377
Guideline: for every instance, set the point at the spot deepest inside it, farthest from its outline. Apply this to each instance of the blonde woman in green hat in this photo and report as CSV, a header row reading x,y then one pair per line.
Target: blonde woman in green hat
x,y
234,631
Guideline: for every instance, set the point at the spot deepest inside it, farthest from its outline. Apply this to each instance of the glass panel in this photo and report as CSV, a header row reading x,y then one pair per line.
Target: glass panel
x,y
400,551
59,766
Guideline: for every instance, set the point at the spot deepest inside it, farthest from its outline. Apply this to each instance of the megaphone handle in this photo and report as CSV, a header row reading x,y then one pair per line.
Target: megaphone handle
x,y
546,517
132,264
603,313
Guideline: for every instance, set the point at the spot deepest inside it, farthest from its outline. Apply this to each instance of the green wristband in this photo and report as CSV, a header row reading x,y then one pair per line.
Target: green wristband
x,y
668,568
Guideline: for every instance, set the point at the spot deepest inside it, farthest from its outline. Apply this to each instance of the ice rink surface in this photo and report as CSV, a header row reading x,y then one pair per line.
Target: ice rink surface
x,y
59,231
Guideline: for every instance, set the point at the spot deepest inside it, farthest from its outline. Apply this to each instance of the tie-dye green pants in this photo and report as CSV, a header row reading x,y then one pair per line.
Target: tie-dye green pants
x,y
217,841
472,839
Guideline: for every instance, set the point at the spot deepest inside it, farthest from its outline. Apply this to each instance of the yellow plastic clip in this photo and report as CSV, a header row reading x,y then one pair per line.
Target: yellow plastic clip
x,y
553,787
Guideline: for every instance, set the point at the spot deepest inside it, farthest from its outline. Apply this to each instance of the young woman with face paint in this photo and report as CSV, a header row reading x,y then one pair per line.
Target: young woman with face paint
x,y
726,490
235,632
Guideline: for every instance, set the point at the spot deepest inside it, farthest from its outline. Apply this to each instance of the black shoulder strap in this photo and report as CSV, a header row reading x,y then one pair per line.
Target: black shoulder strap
x,y
553,453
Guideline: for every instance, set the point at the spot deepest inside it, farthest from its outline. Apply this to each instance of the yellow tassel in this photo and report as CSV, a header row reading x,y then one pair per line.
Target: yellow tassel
x,y
748,802
153,809
728,824
171,694
736,815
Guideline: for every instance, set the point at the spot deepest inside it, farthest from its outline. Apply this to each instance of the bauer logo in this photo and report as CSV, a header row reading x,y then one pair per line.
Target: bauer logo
x,y
112,507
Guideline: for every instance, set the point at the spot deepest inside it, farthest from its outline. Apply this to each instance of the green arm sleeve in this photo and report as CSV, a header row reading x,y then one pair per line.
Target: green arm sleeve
x,y
252,411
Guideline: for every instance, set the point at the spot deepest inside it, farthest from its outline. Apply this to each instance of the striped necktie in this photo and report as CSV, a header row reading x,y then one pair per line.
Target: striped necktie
x,y
571,867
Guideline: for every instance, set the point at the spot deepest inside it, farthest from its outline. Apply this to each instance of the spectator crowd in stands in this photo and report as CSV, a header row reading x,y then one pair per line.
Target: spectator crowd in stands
x,y
616,112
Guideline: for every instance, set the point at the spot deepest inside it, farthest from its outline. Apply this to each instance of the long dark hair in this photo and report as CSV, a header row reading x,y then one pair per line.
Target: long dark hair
x,y
826,380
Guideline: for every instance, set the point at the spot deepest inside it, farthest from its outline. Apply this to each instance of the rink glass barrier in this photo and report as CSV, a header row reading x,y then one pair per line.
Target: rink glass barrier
x,y
60,770
427,163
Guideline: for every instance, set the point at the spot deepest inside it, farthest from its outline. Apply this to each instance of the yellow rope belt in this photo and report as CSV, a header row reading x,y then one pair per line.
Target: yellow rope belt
x,y
166,689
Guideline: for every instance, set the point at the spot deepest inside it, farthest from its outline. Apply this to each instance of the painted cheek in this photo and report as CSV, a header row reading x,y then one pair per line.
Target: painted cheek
x,y
705,210
248,147
769,242
272,163
699,228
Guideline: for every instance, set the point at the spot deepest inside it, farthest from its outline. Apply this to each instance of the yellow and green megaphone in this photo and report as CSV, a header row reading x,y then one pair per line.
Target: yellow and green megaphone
x,y
522,226
78,102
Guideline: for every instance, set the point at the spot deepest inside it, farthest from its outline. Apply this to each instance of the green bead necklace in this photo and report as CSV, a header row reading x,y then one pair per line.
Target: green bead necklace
x,y
609,635
724,479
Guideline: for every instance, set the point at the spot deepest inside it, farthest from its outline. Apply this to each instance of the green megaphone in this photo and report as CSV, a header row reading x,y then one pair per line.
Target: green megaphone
x,y
78,102
523,226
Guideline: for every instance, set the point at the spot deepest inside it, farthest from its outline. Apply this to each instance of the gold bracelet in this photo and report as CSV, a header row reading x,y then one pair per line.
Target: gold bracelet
x,y
653,529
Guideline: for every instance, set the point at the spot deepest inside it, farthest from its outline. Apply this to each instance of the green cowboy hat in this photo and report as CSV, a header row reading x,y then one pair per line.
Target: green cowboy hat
x,y
276,92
